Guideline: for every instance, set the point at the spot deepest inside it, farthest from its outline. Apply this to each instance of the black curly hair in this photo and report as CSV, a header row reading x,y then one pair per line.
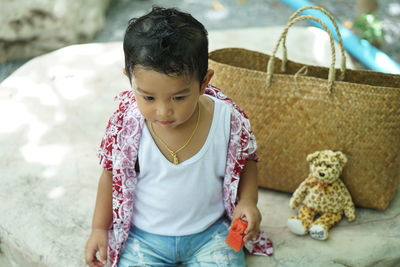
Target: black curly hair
x,y
168,41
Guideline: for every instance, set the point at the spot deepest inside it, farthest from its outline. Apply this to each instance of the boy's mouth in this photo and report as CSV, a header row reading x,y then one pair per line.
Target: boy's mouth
x,y
165,122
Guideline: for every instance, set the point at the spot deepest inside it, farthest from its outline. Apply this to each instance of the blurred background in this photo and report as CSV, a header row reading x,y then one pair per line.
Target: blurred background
x,y
31,28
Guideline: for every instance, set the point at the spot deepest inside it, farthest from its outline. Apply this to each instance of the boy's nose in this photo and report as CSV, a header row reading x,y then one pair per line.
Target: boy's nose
x,y
164,110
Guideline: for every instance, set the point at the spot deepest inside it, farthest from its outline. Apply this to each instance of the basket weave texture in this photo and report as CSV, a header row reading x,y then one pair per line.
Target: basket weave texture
x,y
296,115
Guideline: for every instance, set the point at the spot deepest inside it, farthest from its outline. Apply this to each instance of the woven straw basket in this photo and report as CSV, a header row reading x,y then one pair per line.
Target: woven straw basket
x,y
296,109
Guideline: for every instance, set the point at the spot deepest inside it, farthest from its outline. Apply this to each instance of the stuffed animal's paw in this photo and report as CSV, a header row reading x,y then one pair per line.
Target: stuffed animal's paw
x,y
296,226
351,217
350,213
293,204
318,232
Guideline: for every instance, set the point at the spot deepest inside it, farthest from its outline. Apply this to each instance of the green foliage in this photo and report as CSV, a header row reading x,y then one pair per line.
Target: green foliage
x,y
369,27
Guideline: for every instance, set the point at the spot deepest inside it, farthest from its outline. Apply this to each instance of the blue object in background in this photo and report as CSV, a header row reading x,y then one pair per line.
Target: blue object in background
x,y
361,49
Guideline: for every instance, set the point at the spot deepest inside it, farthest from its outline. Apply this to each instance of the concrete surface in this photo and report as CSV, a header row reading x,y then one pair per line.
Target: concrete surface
x,y
54,112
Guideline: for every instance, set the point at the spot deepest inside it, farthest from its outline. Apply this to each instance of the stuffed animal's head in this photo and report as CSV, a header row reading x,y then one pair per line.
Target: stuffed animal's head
x,y
326,166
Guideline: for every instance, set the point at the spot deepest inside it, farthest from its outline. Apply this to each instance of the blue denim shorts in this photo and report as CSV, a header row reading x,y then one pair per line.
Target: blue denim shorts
x,y
207,248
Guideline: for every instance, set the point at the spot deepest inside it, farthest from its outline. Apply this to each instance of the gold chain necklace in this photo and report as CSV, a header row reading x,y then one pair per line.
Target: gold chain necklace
x,y
173,153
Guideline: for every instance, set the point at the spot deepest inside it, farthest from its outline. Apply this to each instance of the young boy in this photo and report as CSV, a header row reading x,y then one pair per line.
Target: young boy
x,y
173,155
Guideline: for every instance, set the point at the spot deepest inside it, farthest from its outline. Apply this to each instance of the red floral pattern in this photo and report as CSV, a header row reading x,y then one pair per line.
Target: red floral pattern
x,y
118,153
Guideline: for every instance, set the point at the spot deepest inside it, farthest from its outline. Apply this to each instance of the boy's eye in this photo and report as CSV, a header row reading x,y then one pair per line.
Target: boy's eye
x,y
148,98
179,98
328,166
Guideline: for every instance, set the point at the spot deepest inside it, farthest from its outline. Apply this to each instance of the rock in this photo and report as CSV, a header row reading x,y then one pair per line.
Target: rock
x,y
31,28
54,112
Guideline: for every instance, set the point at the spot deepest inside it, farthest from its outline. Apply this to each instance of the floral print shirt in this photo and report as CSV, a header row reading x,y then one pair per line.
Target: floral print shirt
x,y
119,150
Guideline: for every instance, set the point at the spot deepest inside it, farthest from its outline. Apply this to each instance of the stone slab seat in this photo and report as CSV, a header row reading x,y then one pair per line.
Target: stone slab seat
x,y
53,114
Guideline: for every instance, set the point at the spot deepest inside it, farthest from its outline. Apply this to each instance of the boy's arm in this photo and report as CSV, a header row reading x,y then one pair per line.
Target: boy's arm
x,y
248,188
102,216
248,198
102,219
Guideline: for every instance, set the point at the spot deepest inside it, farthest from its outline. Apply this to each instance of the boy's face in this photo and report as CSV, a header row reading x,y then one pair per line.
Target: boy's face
x,y
167,101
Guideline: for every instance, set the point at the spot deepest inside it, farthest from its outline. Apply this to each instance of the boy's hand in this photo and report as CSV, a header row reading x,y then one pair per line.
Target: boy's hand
x,y
97,242
253,217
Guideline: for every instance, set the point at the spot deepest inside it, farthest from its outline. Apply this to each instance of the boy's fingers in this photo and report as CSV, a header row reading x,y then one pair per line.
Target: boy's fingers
x,y
250,226
252,230
103,254
89,255
91,259
234,217
251,236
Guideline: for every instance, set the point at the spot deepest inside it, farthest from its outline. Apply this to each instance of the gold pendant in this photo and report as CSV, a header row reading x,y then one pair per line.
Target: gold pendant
x,y
175,160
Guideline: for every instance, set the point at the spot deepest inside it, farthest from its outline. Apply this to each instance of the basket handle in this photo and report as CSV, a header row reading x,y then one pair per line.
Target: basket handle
x,y
270,66
343,62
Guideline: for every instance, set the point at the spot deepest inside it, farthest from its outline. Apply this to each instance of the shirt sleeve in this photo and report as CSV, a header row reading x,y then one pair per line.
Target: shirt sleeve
x,y
252,145
240,126
109,141
252,148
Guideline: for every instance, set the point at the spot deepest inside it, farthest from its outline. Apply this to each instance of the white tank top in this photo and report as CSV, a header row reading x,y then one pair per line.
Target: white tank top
x,y
183,199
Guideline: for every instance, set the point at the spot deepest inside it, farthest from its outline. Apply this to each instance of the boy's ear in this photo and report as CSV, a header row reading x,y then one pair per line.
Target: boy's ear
x,y
206,80
127,76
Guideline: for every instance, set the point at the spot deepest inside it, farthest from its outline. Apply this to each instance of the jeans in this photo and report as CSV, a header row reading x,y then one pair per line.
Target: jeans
x,y
207,248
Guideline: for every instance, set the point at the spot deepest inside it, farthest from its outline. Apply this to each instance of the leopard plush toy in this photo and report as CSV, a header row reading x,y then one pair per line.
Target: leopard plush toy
x,y
321,193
